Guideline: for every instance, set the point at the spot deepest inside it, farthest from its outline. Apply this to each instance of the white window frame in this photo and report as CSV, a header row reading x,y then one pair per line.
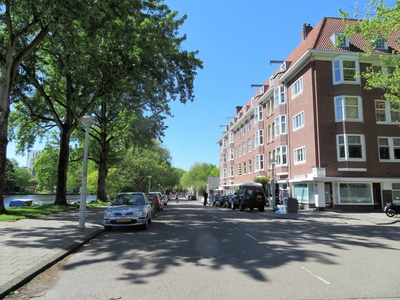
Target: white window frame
x,y
249,166
280,125
231,154
343,106
231,170
244,168
240,150
231,137
249,145
244,147
297,87
393,147
259,163
281,155
223,158
339,67
279,95
249,125
299,155
224,173
388,113
298,121
345,141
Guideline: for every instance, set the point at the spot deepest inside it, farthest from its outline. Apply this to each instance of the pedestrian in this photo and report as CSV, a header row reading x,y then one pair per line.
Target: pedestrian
x,y
205,195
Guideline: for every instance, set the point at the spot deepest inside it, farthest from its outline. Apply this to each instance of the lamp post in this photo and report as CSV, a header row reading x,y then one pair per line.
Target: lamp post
x,y
272,162
149,182
87,121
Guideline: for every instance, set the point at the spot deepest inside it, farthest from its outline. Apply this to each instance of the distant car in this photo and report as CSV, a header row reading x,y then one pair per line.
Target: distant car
x,y
128,209
156,201
193,197
228,204
214,199
249,195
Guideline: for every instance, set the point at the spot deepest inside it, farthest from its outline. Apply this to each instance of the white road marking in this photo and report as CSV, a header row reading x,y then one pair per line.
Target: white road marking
x,y
236,228
316,276
273,250
251,237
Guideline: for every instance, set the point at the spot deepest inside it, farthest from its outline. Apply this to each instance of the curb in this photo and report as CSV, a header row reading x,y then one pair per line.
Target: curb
x,y
27,276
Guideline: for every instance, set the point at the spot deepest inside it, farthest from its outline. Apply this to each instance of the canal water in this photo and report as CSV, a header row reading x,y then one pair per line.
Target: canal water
x,y
45,199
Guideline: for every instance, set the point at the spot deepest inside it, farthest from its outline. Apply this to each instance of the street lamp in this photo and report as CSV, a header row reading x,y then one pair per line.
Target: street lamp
x,y
149,182
87,121
272,162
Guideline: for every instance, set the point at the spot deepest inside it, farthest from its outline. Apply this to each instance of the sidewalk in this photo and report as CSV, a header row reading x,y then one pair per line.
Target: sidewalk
x,y
28,247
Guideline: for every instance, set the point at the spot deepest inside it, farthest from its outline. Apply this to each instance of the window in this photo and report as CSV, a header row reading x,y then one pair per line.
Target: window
x,y
259,138
231,137
231,154
249,125
244,128
224,143
279,95
280,156
354,193
240,150
348,108
297,87
223,173
345,70
396,191
249,144
244,148
249,164
223,158
298,121
244,168
384,112
231,171
389,148
299,155
280,125
339,40
350,147
258,114
259,163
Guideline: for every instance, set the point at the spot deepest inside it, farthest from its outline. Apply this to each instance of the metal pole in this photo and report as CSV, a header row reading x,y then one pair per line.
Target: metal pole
x,y
273,188
82,204
149,182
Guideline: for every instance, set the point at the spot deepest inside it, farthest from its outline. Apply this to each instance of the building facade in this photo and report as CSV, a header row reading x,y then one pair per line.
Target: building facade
x,y
315,130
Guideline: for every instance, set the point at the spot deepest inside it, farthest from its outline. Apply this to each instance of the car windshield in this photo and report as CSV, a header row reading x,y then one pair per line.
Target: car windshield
x,y
128,199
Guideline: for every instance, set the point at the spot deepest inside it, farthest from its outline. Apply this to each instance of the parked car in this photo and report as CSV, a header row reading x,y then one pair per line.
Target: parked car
x,y
155,199
214,199
249,195
128,209
165,199
193,197
228,204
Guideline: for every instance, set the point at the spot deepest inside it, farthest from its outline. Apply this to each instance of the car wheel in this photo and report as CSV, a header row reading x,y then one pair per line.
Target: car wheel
x,y
390,212
241,206
107,228
261,208
145,226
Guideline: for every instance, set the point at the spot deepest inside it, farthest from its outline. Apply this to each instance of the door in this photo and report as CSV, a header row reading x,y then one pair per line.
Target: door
x,y
377,194
328,195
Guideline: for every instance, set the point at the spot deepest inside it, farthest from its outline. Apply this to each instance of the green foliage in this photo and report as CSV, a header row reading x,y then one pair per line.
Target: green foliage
x,y
264,180
380,22
45,168
198,175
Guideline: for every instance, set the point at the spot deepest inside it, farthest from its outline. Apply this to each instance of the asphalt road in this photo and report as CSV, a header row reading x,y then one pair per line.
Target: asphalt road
x,y
196,252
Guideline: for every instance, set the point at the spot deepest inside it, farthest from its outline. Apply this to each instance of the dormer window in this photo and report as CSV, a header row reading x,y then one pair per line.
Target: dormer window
x,y
380,44
271,82
340,41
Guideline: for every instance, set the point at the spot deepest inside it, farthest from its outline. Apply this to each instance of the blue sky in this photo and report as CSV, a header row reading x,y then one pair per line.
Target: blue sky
x,y
236,40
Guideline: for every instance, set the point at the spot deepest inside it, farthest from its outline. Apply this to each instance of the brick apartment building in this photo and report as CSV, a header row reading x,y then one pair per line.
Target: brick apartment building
x,y
330,142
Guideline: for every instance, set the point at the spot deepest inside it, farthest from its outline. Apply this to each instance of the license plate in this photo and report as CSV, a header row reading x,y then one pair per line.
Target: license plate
x,y
123,220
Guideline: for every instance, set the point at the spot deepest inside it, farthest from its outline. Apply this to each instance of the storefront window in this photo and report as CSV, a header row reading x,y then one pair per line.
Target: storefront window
x,y
301,192
355,193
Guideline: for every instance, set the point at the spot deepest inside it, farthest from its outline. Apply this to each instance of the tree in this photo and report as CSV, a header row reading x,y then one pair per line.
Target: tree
x,y
24,24
108,56
45,168
198,175
264,180
22,178
380,23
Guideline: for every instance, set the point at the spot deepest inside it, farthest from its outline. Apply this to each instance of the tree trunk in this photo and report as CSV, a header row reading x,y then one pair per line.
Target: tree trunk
x,y
4,112
102,175
61,192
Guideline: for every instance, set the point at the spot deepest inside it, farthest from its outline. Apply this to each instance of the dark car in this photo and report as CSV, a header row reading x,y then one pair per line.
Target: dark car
x,y
228,204
249,195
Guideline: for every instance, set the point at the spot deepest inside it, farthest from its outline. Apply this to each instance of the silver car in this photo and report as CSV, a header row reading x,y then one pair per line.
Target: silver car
x,y
128,209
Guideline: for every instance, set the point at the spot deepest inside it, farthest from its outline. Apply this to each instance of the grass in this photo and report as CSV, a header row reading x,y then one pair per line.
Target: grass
x,y
37,211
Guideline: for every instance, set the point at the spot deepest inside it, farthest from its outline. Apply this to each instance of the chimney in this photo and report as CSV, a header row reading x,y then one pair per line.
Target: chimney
x,y
305,31
238,108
